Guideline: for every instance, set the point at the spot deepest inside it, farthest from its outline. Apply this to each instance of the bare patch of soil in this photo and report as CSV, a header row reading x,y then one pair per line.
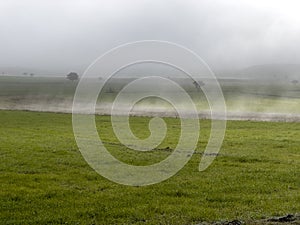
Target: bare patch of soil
x,y
290,219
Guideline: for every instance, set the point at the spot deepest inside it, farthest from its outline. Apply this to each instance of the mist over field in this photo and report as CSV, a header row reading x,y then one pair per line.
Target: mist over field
x,y
68,35
252,47
150,112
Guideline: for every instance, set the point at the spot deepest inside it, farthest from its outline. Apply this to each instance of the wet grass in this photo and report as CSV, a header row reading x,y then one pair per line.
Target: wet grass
x,y
45,180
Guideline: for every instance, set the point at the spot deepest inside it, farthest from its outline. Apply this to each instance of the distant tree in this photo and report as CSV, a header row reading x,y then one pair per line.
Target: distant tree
x,y
295,82
31,74
72,76
25,74
198,84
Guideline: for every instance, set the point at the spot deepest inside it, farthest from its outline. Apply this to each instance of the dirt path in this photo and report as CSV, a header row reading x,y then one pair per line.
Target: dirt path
x,y
290,219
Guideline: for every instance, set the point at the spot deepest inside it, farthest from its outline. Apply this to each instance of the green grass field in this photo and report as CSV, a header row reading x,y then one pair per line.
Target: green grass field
x,y
45,180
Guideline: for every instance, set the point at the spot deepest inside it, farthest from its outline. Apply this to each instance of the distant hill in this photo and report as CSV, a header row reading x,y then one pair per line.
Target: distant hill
x,y
21,71
272,71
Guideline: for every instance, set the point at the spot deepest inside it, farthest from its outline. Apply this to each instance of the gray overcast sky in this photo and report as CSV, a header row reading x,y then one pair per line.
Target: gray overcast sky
x,y
64,35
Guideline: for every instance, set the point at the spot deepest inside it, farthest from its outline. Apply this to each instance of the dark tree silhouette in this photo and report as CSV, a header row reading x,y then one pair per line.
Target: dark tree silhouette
x,y
32,74
198,84
72,76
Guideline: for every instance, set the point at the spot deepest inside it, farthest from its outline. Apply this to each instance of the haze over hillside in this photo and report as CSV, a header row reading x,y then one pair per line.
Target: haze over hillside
x,y
276,72
272,71
23,71
65,36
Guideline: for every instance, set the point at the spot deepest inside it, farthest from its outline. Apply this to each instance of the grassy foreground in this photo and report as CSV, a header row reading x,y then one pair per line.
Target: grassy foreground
x,y
45,180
